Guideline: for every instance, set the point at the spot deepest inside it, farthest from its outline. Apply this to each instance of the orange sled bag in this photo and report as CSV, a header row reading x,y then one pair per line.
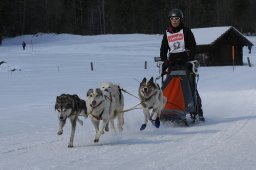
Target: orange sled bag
x,y
177,89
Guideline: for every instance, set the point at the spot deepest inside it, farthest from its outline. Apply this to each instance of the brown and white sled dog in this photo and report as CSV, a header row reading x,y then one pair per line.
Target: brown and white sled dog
x,y
99,108
117,104
70,106
152,98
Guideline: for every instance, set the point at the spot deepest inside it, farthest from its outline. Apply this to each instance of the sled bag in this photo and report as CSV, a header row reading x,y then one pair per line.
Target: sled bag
x,y
176,88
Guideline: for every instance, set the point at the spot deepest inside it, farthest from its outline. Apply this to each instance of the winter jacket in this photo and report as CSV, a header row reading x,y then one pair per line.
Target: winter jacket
x,y
180,58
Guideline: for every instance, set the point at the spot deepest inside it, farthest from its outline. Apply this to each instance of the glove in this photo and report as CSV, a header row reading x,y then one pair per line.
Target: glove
x,y
165,66
167,62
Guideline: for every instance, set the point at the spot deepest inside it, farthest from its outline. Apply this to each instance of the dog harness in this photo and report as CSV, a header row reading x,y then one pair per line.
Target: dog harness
x,y
144,99
100,116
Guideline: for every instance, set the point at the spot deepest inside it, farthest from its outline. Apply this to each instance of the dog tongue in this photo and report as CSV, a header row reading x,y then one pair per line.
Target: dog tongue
x,y
146,94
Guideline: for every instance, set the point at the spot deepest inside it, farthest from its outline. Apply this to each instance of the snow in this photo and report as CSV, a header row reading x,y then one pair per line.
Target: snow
x,y
54,64
208,35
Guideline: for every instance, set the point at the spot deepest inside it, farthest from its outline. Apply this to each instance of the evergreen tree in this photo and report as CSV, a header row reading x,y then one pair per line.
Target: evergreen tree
x,y
19,17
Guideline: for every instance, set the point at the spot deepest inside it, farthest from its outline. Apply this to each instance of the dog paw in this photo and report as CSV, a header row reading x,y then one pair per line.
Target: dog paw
x,y
96,140
143,126
70,145
157,123
60,132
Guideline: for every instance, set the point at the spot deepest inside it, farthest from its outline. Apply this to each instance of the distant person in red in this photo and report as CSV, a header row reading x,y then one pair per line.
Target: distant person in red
x,y
23,45
179,47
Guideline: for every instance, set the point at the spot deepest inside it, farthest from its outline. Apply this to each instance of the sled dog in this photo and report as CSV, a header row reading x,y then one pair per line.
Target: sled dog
x,y
70,106
117,104
152,98
99,108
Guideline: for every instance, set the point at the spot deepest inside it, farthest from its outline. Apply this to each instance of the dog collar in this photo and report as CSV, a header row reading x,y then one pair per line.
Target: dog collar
x,y
96,105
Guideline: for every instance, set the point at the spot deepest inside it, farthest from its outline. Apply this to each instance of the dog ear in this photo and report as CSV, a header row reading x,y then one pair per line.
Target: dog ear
x,y
151,82
151,79
59,98
98,90
143,81
89,92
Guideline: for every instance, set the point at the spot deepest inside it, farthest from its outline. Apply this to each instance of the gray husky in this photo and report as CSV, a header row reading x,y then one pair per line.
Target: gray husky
x,y
152,98
70,106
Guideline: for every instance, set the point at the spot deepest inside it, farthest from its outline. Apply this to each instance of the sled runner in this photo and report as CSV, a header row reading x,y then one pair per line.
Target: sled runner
x,y
179,87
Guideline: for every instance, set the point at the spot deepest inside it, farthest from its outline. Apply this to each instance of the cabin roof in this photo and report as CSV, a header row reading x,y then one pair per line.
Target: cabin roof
x,y
209,35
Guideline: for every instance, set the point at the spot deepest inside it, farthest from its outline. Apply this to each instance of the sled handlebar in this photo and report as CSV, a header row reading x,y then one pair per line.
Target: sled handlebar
x,y
195,66
156,59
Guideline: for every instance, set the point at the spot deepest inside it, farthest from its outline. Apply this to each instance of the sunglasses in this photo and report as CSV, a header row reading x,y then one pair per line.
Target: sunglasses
x,y
174,18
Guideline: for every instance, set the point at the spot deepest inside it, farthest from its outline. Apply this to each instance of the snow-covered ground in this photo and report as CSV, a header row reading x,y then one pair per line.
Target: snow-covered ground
x,y
57,64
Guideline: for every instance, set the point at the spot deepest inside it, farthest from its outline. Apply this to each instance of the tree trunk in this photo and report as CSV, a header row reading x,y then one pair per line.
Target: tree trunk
x,y
24,17
81,17
47,16
103,17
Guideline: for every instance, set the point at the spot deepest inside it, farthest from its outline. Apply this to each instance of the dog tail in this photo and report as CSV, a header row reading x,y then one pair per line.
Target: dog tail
x,y
84,106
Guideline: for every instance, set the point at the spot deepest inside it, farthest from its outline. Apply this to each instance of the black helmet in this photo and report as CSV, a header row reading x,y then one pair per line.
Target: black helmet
x,y
175,13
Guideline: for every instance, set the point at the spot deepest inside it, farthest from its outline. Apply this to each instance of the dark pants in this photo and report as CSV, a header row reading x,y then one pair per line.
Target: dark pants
x,y
193,85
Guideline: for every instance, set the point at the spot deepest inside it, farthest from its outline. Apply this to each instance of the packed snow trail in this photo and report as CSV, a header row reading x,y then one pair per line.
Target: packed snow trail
x,y
61,64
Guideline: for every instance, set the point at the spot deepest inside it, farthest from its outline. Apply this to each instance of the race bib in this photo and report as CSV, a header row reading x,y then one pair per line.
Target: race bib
x,y
176,41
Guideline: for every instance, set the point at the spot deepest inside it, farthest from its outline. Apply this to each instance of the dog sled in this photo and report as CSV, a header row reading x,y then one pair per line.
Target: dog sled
x,y
179,86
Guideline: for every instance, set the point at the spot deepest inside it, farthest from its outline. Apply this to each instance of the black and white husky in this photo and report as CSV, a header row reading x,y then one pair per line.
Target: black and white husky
x,y
70,106
152,98
99,109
